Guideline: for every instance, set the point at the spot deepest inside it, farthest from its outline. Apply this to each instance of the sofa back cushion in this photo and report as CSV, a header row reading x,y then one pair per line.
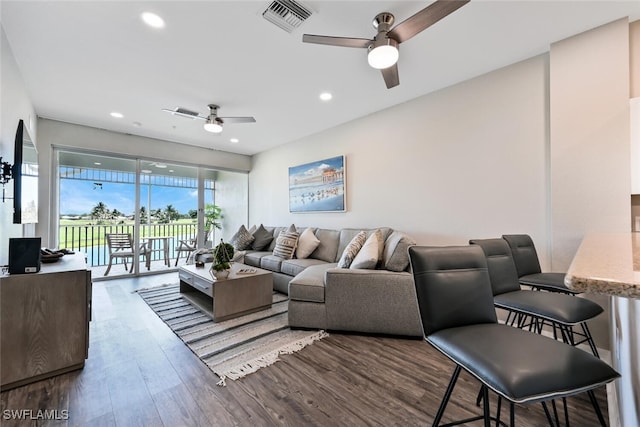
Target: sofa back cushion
x,y
395,256
327,250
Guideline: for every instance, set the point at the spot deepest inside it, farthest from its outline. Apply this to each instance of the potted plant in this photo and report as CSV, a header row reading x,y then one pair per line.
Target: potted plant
x,y
222,256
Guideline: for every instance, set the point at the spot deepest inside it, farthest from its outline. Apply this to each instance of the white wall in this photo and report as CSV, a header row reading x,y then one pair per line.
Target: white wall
x,y
54,133
15,104
232,195
469,161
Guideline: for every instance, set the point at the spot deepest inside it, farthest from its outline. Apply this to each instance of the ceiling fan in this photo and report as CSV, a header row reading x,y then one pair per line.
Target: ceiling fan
x,y
383,48
213,123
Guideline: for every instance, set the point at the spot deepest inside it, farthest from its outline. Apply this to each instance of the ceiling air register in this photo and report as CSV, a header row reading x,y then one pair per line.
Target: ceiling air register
x,y
286,14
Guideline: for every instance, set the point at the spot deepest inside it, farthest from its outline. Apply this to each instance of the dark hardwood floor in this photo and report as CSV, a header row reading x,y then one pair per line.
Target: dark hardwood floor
x,y
140,374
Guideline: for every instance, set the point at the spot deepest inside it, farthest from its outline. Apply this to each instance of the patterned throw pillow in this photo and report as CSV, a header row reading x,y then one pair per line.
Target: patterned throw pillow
x,y
286,244
352,249
369,255
241,241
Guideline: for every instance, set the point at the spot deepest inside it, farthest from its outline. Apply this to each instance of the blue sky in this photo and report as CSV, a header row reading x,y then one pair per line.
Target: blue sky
x,y
79,197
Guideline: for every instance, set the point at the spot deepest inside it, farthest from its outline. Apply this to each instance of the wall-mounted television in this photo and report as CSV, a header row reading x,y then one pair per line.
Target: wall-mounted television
x,y
25,178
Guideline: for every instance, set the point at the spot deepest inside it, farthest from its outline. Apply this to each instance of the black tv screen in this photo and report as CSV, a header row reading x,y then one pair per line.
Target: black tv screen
x,y
25,178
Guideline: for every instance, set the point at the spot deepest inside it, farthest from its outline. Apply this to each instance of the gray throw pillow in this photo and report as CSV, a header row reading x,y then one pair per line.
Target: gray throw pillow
x,y
242,240
261,238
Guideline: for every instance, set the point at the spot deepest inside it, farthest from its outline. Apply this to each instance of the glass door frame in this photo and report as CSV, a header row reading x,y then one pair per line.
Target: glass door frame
x,y
137,271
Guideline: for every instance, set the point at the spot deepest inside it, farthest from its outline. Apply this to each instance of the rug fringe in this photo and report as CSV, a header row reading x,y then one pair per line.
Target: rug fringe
x,y
268,359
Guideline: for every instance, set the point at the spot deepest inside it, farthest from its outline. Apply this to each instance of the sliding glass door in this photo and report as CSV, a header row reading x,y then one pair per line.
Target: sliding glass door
x,y
165,210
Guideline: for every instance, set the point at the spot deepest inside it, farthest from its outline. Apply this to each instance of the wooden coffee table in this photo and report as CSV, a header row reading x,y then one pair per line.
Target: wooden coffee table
x,y
225,299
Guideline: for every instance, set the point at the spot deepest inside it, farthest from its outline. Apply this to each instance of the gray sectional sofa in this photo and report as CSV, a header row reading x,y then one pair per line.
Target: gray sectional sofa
x,y
321,295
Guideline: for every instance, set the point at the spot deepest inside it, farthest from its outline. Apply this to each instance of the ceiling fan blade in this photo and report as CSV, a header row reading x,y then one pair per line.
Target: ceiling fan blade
x,y
238,119
183,112
336,41
390,76
424,19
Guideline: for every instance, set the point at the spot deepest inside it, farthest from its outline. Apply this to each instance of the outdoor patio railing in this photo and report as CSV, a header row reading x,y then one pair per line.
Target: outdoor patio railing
x,y
91,239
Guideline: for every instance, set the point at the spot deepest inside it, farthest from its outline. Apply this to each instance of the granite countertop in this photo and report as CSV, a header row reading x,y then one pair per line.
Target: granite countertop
x,y
607,264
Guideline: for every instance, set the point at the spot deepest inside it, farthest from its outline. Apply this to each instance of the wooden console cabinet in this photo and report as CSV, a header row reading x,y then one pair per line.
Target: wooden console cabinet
x,y
44,321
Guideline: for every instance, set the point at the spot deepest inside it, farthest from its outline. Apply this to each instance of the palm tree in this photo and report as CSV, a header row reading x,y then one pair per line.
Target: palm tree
x,y
100,212
171,213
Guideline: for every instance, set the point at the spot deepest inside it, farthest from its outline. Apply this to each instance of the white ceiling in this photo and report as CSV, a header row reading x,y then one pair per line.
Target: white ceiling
x,y
82,60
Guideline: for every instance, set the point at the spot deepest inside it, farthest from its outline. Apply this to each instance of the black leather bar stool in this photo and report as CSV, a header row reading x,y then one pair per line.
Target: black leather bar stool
x,y
455,300
528,266
564,313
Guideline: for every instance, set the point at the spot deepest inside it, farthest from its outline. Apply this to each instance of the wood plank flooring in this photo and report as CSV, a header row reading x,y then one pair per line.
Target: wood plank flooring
x,y
140,374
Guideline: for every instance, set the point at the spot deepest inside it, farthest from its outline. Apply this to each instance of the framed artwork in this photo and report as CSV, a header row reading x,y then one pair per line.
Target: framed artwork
x,y
318,186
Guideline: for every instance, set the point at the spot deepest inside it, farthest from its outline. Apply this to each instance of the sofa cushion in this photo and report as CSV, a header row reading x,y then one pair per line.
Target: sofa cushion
x,y
369,255
327,250
286,243
395,255
352,249
307,243
271,263
253,258
261,238
293,267
242,239
309,284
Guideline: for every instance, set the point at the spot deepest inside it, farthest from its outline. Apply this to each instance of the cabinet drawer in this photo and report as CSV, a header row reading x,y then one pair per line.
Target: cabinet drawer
x,y
198,283
203,286
185,277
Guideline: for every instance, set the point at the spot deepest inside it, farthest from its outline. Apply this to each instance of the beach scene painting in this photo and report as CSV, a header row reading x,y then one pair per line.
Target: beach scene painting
x,y
318,186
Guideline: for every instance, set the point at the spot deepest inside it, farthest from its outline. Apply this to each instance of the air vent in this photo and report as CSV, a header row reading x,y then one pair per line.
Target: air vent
x,y
286,14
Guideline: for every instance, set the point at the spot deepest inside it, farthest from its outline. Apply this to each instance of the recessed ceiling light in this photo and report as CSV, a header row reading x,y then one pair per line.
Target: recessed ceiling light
x,y
326,96
137,124
161,165
116,115
152,20
97,163
170,170
234,140
145,171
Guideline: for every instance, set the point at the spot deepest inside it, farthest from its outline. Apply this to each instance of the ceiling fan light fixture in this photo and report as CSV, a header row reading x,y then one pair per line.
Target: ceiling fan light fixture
x,y
213,125
383,53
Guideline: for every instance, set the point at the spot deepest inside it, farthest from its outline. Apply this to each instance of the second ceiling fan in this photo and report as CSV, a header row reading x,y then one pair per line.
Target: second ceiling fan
x,y
383,48
214,122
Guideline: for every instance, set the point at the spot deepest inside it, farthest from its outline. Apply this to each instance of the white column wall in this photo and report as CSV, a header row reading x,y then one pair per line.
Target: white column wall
x,y
590,143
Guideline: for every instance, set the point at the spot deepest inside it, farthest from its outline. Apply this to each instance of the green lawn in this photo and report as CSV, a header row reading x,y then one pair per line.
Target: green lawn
x,y
79,233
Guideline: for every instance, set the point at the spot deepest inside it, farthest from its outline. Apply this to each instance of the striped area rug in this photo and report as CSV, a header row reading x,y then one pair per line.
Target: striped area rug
x,y
236,347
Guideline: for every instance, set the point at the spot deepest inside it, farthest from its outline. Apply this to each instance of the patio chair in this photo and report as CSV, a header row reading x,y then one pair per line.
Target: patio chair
x,y
121,246
185,245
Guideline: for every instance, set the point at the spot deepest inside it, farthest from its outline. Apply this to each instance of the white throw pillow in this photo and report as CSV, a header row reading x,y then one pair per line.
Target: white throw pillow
x,y
307,243
369,255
